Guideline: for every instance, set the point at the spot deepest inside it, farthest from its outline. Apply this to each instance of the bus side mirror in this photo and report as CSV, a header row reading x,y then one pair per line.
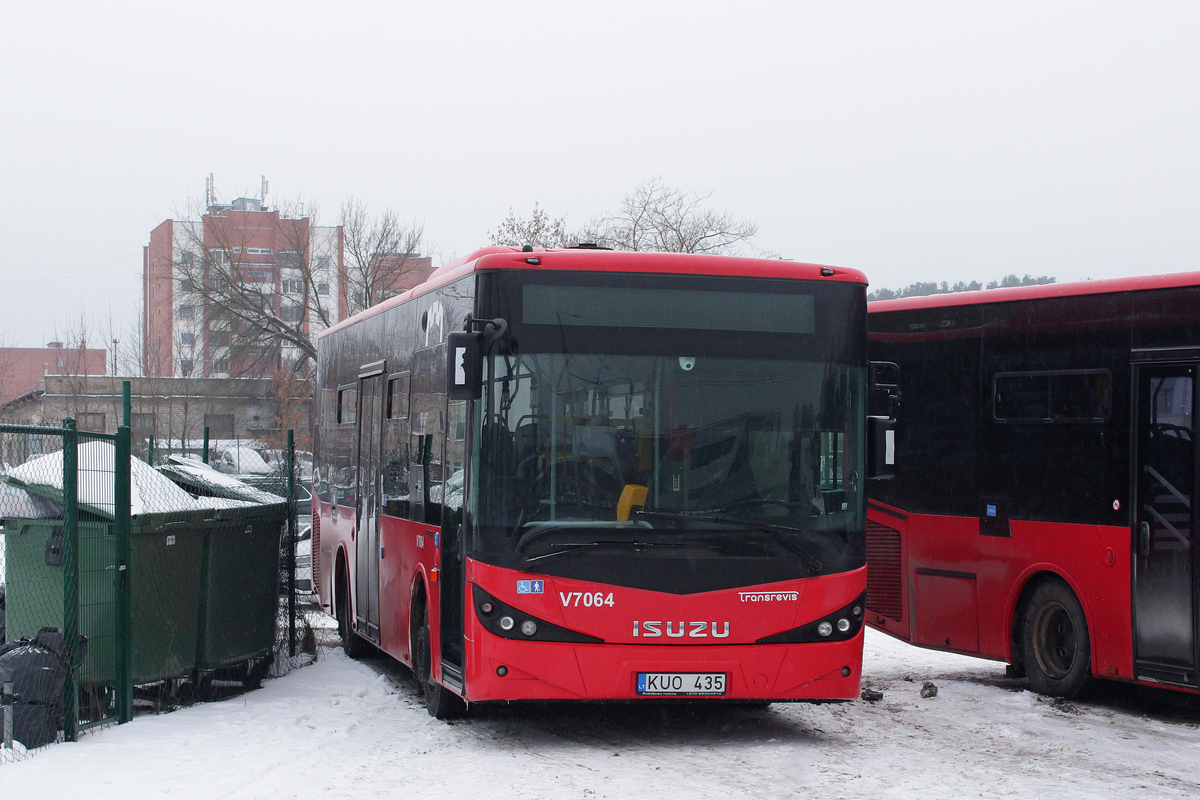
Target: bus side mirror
x,y
881,448
464,370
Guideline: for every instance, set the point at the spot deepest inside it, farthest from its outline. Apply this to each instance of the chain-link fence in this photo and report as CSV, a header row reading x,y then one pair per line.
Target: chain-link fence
x,y
129,586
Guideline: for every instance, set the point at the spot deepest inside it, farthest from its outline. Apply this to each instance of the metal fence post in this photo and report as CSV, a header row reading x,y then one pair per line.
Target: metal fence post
x,y
291,549
205,456
71,578
7,705
121,518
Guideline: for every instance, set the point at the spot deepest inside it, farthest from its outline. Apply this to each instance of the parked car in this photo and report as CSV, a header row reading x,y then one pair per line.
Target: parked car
x,y
277,484
304,583
239,459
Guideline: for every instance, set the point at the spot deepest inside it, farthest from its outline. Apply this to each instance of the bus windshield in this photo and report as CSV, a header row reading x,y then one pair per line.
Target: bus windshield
x,y
675,472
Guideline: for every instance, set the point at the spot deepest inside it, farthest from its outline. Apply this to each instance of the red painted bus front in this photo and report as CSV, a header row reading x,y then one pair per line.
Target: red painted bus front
x,y
642,632
639,631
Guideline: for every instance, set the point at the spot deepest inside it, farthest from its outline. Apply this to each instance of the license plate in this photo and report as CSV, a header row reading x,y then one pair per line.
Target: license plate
x,y
681,683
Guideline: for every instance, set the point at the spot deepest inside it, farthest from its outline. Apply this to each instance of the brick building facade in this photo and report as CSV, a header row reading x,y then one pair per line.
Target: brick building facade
x,y
22,369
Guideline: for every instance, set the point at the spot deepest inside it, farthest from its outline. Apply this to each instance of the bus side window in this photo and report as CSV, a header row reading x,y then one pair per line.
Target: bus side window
x,y
397,463
418,485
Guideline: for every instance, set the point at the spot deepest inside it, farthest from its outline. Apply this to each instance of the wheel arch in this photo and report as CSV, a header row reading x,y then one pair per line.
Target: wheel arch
x,y
418,605
1023,590
342,584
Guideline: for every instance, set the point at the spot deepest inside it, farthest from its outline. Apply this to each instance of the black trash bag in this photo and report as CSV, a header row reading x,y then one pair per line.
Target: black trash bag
x,y
38,669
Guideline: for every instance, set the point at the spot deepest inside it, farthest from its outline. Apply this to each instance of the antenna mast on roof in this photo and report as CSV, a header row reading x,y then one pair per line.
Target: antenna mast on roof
x,y
264,192
210,196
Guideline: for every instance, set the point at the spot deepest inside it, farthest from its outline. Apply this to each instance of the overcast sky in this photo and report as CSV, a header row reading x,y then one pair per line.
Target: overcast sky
x,y
912,140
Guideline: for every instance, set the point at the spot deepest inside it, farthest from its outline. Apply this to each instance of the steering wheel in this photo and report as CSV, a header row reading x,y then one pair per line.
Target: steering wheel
x,y
789,505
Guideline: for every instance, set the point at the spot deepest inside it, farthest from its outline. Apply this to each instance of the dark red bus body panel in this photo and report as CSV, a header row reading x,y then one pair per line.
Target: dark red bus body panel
x,y
943,575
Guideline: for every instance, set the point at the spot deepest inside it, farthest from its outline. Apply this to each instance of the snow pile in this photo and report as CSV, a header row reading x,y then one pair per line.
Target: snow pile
x,y
346,729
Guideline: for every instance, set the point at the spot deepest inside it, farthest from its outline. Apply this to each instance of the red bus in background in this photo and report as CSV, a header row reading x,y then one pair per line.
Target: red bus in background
x,y
592,475
1044,513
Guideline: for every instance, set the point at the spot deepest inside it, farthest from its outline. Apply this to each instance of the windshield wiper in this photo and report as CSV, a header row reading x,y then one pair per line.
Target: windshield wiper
x,y
540,529
778,532
572,547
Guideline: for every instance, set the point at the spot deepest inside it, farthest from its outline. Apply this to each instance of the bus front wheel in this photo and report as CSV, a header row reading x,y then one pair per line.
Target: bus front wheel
x,y
440,702
1055,646
352,643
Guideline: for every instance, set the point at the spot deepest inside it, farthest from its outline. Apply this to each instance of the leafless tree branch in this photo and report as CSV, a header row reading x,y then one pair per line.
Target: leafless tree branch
x,y
655,216
540,230
379,252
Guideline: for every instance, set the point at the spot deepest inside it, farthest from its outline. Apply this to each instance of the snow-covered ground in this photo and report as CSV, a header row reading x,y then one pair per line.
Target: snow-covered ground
x,y
344,729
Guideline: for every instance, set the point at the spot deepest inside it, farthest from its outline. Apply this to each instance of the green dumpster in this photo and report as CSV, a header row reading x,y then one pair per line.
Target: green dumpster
x,y
34,579
203,572
240,572
165,555
240,586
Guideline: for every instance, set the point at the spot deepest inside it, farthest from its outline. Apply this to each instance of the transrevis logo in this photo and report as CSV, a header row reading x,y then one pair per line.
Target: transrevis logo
x,y
769,597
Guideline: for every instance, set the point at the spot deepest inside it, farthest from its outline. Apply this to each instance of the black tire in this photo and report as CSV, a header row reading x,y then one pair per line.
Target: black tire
x,y
440,702
1055,646
353,644
256,672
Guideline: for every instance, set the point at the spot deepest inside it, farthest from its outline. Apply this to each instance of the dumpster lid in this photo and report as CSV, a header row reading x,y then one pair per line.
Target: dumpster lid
x,y
16,503
199,478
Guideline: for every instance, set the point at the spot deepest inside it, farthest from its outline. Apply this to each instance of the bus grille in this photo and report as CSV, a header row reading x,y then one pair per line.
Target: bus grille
x,y
883,571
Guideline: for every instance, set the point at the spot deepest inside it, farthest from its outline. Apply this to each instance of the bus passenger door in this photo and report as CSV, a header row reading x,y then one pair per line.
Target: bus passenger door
x,y
453,493
1164,524
367,554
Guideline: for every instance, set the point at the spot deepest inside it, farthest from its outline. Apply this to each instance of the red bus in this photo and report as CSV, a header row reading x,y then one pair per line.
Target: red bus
x,y
591,475
1044,513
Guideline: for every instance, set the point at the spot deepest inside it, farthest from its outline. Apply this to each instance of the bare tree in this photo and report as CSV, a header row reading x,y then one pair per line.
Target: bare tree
x,y
381,253
286,398
244,307
655,216
540,230
252,312
75,368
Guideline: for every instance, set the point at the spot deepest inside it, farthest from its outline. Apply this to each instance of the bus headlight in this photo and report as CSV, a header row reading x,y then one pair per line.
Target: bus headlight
x,y
508,622
843,624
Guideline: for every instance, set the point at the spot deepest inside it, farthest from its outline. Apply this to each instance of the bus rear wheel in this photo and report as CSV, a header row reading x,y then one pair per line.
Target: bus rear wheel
x,y
1055,646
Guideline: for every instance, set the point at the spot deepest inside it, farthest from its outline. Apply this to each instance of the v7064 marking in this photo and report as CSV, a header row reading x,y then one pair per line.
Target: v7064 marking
x,y
586,599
